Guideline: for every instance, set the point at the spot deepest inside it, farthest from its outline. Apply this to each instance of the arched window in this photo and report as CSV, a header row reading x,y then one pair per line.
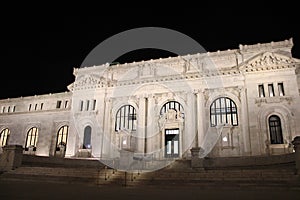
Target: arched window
x,y
126,118
223,111
87,138
275,130
174,105
62,136
4,136
31,139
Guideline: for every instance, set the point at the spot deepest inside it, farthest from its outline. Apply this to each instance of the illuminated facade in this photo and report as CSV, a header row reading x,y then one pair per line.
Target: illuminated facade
x,y
246,98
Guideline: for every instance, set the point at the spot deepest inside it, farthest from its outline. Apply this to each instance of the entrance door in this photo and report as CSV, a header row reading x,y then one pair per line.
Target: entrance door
x,y
171,143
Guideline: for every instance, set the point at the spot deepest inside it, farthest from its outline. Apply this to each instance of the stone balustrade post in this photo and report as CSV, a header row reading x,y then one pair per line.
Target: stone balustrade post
x,y
196,161
296,143
11,157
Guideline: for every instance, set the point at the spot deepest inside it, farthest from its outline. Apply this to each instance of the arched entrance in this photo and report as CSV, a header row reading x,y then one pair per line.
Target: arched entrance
x,y
171,123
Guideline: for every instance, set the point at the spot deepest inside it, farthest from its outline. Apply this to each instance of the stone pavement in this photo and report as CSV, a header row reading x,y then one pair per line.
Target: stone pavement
x,y
19,190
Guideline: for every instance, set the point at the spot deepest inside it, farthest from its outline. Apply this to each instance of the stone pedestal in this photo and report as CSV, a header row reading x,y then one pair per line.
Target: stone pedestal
x,y
196,161
84,153
126,159
11,157
296,143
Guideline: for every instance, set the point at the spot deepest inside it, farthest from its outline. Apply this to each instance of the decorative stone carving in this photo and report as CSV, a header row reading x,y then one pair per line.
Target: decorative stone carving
x,y
269,100
147,70
88,80
266,59
161,122
171,116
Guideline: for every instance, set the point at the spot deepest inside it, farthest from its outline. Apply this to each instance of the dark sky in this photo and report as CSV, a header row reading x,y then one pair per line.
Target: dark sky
x,y
39,50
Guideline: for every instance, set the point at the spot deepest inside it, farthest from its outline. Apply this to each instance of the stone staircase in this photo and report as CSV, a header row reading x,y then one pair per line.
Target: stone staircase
x,y
77,175
60,170
178,174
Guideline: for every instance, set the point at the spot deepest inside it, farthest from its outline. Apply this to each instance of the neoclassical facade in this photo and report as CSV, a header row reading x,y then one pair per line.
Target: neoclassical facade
x,y
240,102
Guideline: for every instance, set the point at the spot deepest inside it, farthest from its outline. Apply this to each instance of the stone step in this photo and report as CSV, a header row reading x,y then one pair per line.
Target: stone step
x,y
285,176
58,174
58,171
70,177
178,173
218,184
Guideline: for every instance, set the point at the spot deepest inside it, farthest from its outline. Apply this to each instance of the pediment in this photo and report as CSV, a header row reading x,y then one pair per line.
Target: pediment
x,y
70,87
267,60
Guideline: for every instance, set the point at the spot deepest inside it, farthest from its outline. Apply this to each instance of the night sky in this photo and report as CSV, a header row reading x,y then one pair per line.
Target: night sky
x,y
40,50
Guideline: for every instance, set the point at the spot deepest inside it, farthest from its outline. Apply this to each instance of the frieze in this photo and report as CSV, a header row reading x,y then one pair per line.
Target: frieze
x,y
269,100
87,82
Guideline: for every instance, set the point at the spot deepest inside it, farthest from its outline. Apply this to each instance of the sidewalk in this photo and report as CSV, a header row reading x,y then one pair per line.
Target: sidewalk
x,y
19,190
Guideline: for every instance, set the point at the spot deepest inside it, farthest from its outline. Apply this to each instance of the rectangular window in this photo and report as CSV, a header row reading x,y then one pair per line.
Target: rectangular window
x,y
94,104
66,104
176,147
81,106
35,107
58,104
172,131
14,109
280,89
87,104
271,90
169,146
29,108
42,104
8,109
261,91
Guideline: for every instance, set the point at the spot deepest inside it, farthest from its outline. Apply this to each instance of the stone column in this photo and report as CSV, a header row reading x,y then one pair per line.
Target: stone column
x,y
150,125
266,90
11,157
107,146
141,126
245,122
188,137
296,143
72,138
200,118
276,91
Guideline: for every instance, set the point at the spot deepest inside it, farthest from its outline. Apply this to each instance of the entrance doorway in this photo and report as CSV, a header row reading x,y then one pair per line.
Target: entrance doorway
x,y
171,143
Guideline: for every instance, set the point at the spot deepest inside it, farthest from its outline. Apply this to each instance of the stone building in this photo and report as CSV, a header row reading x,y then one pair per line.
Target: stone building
x,y
240,102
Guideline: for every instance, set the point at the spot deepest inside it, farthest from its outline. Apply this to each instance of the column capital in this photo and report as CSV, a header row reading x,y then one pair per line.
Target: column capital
x,y
108,99
199,91
142,96
241,88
